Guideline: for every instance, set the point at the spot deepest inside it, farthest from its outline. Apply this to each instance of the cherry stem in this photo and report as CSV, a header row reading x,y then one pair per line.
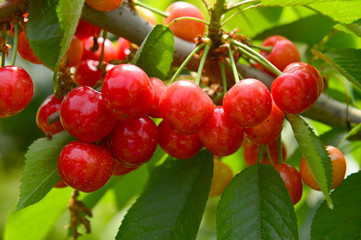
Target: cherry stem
x,y
280,157
186,18
185,62
233,66
201,64
259,58
224,78
3,52
15,45
236,5
155,10
263,48
260,152
105,36
269,155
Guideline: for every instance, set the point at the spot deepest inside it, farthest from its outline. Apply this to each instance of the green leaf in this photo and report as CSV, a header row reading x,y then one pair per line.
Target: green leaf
x,y
256,205
353,132
344,221
172,204
155,54
158,158
51,26
41,171
315,153
36,221
346,61
309,29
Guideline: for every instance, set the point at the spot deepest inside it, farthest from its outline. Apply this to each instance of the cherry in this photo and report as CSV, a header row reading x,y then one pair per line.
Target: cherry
x,y
75,51
221,136
283,51
87,73
338,169
295,91
84,115
122,48
248,102
24,49
301,65
133,142
146,14
159,87
104,5
110,51
127,91
178,145
85,166
269,129
50,105
16,90
292,179
251,150
222,176
121,169
85,30
186,29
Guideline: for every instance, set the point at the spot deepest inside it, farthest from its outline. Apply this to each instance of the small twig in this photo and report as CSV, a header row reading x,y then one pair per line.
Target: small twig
x,y
155,10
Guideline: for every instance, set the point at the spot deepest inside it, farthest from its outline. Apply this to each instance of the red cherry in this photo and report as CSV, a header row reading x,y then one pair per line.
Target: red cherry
x,y
127,91
133,142
295,91
85,30
283,52
109,49
185,107
248,102
158,87
221,136
122,48
24,49
84,115
16,90
75,51
292,179
50,105
121,169
85,166
104,5
87,73
251,150
186,29
269,129
178,145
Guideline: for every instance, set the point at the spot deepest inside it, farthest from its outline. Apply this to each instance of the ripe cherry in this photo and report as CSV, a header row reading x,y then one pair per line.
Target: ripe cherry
x,y
104,5
159,87
122,48
127,91
221,135
75,51
110,51
222,176
84,115
251,150
338,169
248,102
283,51
25,51
178,145
85,30
120,169
295,91
50,105
269,129
85,166
16,90
185,107
292,179
87,73
186,29
133,142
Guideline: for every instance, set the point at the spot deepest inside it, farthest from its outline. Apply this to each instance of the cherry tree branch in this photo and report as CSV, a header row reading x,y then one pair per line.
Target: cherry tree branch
x,y
126,23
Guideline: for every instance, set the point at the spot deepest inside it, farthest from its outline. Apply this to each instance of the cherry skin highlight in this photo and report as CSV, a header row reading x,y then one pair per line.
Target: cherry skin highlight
x,y
338,169
127,91
85,166
50,105
87,73
178,145
221,136
185,107
248,102
122,48
84,115
17,90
